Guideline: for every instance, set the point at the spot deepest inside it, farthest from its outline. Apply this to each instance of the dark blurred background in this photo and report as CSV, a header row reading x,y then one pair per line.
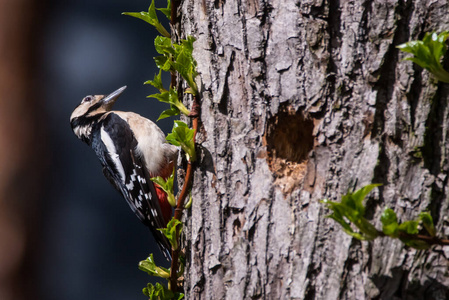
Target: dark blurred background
x,y
65,233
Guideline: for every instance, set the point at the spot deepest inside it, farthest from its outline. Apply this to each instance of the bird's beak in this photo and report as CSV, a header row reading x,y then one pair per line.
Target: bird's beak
x,y
110,99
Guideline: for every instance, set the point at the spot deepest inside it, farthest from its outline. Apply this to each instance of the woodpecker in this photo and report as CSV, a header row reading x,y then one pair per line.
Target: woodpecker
x,y
131,149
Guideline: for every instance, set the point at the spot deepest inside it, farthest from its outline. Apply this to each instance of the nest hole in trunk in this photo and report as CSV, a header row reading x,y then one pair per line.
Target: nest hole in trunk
x,y
289,139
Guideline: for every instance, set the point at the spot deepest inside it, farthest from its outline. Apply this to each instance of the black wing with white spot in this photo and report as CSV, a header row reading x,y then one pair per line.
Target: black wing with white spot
x,y
156,219
125,170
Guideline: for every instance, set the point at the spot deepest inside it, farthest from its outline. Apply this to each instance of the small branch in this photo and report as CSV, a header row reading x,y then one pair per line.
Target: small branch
x,y
182,196
174,8
189,172
431,240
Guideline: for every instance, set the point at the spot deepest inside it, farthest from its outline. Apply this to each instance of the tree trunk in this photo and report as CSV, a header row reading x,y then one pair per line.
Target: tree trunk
x,y
22,155
301,101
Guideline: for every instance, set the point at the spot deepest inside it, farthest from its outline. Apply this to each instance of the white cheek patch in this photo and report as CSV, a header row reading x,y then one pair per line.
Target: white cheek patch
x,y
107,141
81,131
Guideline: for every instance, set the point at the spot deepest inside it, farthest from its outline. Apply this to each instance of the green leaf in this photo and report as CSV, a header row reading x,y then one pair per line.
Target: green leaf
x,y
177,58
166,11
159,180
427,222
167,186
346,226
160,292
163,45
157,82
428,53
182,135
409,227
151,18
163,63
389,222
353,203
185,64
162,97
419,62
360,195
148,265
437,44
351,209
339,210
152,12
171,97
423,54
140,15
189,203
172,111
170,232
368,229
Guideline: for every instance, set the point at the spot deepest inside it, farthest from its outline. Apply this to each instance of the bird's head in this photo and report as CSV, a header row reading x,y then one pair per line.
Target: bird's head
x,y
89,111
96,104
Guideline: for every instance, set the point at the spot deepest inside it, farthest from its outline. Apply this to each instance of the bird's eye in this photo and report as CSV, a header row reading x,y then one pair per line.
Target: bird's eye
x,y
87,99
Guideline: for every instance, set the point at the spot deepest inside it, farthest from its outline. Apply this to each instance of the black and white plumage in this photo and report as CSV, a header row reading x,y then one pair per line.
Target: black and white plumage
x,y
131,149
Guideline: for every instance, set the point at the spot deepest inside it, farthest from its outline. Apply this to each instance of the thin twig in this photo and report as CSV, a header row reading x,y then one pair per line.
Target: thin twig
x,y
431,240
173,280
189,172
173,10
181,200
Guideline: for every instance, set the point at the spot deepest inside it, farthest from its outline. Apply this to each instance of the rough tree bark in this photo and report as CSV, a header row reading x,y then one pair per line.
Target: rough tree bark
x,y
303,100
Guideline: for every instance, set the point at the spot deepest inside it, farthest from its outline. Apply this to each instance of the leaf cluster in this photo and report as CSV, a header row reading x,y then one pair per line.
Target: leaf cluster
x,y
428,52
407,230
167,96
179,58
151,17
351,211
174,58
170,232
167,186
160,292
148,265
182,135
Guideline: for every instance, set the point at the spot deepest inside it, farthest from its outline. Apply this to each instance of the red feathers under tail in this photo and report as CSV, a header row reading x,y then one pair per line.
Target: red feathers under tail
x,y
163,202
